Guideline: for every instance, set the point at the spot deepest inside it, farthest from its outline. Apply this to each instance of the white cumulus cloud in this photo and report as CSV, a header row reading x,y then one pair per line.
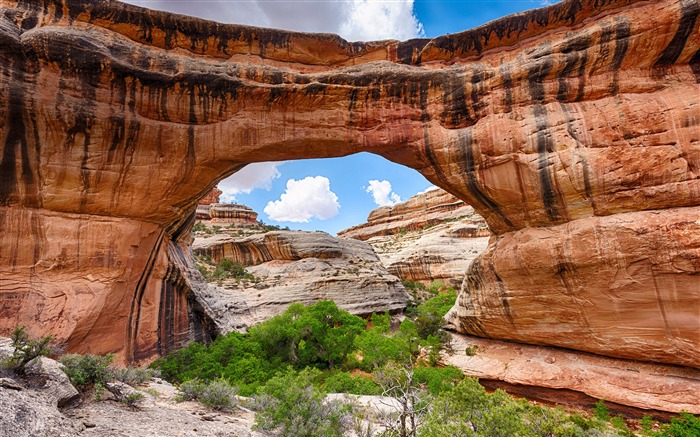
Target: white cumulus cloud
x,y
430,188
354,20
382,194
251,177
303,200
375,20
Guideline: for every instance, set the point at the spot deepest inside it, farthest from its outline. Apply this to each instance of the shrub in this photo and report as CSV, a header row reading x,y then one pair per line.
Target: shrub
x,y
26,350
545,421
619,423
289,406
132,399
646,422
218,395
228,269
134,376
407,331
470,350
468,410
428,324
377,349
87,371
343,382
206,274
687,425
190,390
381,322
439,304
580,422
601,411
414,285
234,356
436,287
437,379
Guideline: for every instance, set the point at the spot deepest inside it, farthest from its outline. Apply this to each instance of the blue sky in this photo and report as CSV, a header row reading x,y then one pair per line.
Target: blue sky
x,y
334,194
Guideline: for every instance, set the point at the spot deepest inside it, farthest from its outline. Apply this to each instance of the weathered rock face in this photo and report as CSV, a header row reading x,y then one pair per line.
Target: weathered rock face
x,y
561,375
210,210
420,212
294,266
227,213
433,236
598,273
573,130
210,197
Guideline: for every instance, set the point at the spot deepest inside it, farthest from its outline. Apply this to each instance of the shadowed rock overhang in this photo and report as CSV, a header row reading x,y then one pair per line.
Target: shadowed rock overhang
x,y
574,130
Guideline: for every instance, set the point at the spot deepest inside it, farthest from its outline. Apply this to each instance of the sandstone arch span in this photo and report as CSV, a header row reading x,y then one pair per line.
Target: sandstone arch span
x,y
574,130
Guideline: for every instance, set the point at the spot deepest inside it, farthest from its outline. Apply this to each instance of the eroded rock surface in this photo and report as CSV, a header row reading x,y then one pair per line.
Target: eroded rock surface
x,y
531,368
607,278
420,212
295,266
31,405
211,211
433,236
573,130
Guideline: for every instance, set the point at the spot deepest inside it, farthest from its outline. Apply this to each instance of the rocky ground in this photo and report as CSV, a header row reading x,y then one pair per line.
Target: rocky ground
x,y
158,414
33,410
45,404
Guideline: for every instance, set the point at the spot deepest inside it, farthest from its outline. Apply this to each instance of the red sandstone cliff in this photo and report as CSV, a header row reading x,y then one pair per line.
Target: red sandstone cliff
x,y
573,130
210,197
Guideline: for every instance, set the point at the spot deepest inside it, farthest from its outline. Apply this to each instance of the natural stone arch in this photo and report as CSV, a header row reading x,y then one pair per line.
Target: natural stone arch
x,y
564,127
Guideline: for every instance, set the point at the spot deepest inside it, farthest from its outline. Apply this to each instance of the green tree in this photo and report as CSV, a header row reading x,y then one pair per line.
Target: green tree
x,y
343,382
437,379
320,335
439,304
327,334
377,349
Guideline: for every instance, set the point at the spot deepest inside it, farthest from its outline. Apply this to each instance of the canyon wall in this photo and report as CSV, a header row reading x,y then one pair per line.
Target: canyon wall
x,y
433,236
574,130
295,266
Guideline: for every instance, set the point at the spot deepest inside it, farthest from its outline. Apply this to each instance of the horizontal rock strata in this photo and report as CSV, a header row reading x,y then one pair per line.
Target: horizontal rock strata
x,y
529,368
294,266
441,254
433,236
607,278
553,124
227,213
418,213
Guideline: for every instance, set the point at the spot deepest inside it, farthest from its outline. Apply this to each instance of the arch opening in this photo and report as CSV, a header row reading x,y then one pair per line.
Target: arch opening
x,y
117,120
